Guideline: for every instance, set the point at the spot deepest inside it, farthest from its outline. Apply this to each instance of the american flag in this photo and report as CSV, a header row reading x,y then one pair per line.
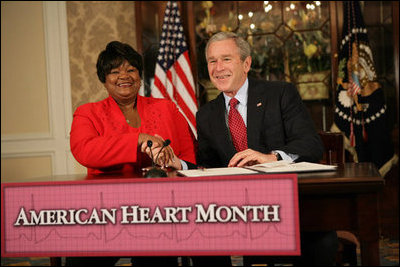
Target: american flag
x,y
355,86
173,77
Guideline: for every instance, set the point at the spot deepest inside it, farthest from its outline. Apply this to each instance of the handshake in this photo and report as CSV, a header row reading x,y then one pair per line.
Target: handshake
x,y
159,150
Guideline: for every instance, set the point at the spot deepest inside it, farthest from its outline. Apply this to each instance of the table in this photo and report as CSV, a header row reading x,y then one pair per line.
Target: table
x,y
346,199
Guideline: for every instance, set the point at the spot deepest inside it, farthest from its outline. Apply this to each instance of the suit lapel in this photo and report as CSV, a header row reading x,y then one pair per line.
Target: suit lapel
x,y
255,114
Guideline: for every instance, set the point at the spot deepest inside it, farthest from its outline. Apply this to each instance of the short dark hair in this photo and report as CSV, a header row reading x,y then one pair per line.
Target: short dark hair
x,y
242,44
113,56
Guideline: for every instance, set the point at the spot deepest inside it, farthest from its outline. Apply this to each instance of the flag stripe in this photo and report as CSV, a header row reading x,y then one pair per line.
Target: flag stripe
x,y
176,96
183,80
159,89
188,67
193,127
165,85
183,68
180,101
180,87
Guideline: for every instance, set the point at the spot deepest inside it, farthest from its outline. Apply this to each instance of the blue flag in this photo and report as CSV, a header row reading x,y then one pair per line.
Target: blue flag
x,y
360,111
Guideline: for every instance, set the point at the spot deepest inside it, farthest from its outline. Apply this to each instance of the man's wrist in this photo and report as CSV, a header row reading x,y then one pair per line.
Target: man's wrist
x,y
184,165
277,155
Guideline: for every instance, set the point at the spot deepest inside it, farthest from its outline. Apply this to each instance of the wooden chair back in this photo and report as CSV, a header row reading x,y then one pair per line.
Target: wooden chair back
x,y
333,148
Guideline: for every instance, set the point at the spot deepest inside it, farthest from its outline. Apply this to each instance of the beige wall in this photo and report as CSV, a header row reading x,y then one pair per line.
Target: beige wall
x,y
91,26
21,168
32,100
24,97
24,107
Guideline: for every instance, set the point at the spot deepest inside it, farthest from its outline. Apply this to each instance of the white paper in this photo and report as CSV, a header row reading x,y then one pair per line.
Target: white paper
x,y
216,171
285,166
281,166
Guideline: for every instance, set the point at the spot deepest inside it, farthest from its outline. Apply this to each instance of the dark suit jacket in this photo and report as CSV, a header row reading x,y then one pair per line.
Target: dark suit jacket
x,y
276,120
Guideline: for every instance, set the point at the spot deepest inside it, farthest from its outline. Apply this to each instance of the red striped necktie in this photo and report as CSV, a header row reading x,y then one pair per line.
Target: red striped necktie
x,y
237,127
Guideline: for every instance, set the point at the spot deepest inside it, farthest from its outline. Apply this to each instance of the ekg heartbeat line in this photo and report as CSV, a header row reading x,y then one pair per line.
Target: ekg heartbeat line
x,y
172,234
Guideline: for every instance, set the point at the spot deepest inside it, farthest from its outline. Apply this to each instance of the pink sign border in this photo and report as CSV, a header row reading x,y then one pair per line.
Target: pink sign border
x,y
291,176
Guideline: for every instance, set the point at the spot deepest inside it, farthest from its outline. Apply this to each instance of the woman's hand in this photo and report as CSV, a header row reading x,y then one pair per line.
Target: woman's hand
x,y
173,162
250,157
154,150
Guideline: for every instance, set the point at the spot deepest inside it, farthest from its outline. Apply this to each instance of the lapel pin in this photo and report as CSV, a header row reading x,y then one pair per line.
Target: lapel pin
x,y
259,104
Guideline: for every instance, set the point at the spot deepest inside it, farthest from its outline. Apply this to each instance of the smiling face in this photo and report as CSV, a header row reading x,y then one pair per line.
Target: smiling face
x,y
225,68
123,83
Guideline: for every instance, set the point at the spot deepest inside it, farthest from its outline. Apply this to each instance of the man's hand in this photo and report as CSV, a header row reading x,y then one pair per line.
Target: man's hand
x,y
173,162
166,155
250,157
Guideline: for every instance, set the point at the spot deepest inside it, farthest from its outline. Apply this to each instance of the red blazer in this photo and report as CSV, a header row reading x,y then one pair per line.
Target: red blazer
x,y
102,140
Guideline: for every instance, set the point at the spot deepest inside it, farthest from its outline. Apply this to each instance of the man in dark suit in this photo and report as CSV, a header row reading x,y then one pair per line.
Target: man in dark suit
x,y
275,122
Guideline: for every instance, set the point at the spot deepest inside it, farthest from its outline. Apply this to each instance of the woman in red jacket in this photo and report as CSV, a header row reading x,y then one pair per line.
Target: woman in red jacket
x,y
112,135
